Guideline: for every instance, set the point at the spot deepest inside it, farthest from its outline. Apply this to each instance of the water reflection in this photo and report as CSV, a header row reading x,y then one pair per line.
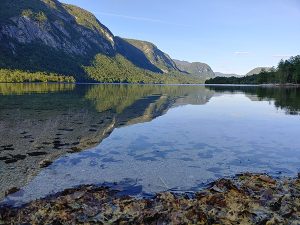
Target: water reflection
x,y
285,98
40,122
27,88
189,145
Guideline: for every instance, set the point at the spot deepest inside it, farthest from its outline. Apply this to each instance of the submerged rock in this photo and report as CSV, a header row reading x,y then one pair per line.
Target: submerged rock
x,y
245,199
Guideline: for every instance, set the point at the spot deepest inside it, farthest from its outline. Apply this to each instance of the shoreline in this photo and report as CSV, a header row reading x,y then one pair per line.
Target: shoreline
x,y
160,84
246,198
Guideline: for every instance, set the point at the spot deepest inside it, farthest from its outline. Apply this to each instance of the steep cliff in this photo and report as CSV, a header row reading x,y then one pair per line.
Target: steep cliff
x,y
45,35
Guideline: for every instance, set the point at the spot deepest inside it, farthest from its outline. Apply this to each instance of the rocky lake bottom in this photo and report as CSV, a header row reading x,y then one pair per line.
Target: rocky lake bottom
x,y
245,199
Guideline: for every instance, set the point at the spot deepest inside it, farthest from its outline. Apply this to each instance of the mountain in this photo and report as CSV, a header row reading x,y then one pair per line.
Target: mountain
x,y
218,74
49,36
158,58
258,70
195,68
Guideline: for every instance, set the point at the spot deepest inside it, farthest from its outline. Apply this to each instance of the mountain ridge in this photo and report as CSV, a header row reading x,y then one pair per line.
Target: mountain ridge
x,y
199,69
157,57
220,74
258,70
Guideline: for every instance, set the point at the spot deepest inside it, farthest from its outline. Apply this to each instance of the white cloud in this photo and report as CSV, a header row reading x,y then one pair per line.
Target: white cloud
x,y
281,56
152,20
241,53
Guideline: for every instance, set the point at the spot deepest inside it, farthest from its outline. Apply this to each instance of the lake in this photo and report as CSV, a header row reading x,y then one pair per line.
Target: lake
x,y
142,139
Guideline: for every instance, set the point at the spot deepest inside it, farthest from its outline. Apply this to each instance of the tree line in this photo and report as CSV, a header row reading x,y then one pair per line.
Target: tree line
x,y
18,76
287,72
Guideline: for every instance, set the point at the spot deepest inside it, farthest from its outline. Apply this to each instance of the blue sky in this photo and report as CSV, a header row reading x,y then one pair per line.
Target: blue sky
x,y
232,36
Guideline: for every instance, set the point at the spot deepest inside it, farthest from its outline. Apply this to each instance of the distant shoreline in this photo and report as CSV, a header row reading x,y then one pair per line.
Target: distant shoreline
x,y
160,84
257,85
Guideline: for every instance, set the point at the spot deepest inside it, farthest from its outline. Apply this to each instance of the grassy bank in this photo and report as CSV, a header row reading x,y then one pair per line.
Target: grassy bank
x,y
245,199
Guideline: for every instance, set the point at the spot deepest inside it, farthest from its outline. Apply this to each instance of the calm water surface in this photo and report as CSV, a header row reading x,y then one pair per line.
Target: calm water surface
x,y
142,139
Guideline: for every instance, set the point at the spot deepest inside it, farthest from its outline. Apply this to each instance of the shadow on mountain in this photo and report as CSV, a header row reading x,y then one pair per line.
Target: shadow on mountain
x,y
135,55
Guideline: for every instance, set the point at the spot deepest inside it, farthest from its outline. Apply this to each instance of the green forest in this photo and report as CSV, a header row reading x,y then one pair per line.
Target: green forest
x,y
287,72
17,76
104,69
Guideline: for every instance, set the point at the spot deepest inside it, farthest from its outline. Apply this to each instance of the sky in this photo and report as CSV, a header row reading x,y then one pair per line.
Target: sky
x,y
232,36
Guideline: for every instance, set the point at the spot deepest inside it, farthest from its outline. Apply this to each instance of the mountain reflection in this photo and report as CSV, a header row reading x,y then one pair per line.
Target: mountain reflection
x,y
41,122
119,97
26,88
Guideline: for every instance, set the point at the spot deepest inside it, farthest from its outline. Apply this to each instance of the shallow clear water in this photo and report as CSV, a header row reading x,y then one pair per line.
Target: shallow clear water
x,y
144,139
